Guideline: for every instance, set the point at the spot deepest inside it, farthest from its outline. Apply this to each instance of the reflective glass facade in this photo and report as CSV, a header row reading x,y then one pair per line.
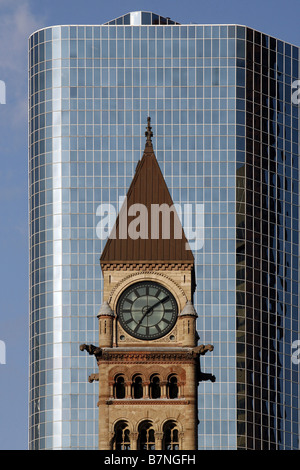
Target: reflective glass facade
x,y
226,136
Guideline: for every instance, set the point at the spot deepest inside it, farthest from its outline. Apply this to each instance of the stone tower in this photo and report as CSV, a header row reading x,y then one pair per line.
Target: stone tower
x,y
148,358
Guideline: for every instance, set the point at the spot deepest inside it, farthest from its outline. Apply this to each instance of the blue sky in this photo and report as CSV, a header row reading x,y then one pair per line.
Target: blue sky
x,y
18,19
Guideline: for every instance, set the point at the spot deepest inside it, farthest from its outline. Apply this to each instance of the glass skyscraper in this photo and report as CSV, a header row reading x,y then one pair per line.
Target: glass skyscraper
x,y
226,136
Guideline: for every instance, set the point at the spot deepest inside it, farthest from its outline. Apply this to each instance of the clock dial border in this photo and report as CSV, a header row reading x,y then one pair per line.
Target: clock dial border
x,y
125,323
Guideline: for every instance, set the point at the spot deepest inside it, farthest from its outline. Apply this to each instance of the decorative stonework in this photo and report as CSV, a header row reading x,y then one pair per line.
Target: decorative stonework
x,y
93,377
167,281
146,357
124,337
146,266
148,402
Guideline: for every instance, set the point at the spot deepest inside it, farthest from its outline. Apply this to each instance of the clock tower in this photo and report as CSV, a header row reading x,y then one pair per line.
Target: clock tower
x,y
148,358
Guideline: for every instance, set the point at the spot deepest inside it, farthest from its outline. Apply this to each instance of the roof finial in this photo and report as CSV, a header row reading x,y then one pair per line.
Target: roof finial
x,y
149,133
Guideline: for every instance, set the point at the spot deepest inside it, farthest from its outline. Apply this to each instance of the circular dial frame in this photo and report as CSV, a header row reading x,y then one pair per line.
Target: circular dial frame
x,y
147,310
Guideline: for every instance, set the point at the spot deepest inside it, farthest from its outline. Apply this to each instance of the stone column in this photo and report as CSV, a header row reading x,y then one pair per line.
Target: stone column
x,y
159,440
111,436
181,441
127,389
163,389
146,386
111,390
134,440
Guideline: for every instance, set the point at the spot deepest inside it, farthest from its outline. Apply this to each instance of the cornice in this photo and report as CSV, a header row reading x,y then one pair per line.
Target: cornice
x,y
161,266
147,402
146,357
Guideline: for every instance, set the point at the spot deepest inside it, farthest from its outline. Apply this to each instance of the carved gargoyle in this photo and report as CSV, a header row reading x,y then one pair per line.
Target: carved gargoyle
x,y
93,377
202,349
204,377
91,349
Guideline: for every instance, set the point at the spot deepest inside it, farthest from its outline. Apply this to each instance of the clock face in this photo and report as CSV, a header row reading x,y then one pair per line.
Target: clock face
x,y
147,310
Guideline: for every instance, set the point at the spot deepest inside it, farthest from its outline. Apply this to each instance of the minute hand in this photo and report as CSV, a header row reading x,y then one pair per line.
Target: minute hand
x,y
151,308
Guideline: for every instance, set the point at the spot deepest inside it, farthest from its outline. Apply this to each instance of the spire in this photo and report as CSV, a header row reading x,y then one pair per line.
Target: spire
x,y
148,135
154,233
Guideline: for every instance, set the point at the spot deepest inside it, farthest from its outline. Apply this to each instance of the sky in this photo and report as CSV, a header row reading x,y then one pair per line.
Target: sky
x,y
18,19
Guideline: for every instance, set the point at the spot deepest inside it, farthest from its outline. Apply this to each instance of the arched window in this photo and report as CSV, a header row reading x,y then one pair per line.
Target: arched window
x,y
137,387
171,436
154,387
122,436
146,438
172,387
119,387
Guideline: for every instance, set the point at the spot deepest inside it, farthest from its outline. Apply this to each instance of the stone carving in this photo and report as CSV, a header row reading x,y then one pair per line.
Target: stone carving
x,y
96,351
91,349
204,377
146,402
152,275
202,349
93,377
146,266
148,357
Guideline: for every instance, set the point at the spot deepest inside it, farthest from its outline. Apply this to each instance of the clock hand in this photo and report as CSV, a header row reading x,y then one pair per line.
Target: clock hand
x,y
151,308
157,303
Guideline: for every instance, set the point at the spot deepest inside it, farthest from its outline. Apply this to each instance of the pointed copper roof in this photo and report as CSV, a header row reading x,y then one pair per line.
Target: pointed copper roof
x,y
141,234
